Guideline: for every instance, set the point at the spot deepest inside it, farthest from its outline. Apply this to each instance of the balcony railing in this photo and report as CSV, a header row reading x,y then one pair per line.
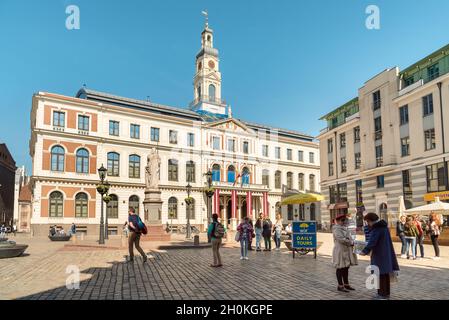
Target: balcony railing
x,y
58,128
379,161
204,98
238,184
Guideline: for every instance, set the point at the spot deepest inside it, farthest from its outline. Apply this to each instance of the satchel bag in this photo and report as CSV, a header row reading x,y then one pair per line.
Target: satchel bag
x,y
237,236
141,226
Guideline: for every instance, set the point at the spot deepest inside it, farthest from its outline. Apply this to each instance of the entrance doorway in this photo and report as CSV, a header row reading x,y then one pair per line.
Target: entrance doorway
x,y
244,209
229,211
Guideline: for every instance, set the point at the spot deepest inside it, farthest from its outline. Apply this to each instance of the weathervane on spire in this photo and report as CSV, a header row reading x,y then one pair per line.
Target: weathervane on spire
x,y
206,15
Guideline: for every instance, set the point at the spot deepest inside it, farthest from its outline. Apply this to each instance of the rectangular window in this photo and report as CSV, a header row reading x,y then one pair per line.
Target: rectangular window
x,y
190,139
358,192
429,138
436,177
245,147
265,150
135,131
427,105
408,81
376,100
405,146
83,123
331,169
58,119
277,152
433,72
173,136
379,156
289,154
333,194
301,156
330,146
342,140
407,185
114,127
231,145
378,124
342,192
380,181
403,115
356,134
154,134
343,164
311,157
216,143
358,160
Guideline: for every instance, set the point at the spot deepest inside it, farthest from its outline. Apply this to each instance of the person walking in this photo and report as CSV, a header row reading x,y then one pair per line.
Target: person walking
x,y
420,237
434,228
134,235
125,229
215,232
245,234
258,231
277,230
382,253
266,233
250,242
342,254
411,233
400,233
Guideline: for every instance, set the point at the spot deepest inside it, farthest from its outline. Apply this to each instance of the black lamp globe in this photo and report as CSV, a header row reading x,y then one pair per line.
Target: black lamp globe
x,y
102,172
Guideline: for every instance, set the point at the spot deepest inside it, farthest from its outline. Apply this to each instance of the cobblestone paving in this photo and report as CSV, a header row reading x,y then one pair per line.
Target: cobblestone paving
x,y
185,274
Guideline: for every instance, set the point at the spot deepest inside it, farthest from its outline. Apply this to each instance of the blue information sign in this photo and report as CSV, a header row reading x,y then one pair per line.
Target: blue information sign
x,y
304,235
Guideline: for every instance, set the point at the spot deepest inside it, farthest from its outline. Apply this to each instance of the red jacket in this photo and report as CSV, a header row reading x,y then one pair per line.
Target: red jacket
x,y
418,226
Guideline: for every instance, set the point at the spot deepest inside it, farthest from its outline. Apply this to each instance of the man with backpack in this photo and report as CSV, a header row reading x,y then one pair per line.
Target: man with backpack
x,y
216,232
136,228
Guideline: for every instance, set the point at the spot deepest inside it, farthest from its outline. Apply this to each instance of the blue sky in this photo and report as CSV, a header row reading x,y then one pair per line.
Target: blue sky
x,y
284,62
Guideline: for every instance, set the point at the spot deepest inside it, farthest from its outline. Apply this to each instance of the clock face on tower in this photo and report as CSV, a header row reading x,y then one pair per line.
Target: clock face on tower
x,y
211,64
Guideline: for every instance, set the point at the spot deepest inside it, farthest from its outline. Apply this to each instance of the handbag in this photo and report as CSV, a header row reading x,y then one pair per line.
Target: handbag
x,y
141,226
237,236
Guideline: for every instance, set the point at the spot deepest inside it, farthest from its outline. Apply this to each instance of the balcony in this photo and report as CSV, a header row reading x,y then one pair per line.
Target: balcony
x,y
83,132
207,99
411,87
58,128
239,185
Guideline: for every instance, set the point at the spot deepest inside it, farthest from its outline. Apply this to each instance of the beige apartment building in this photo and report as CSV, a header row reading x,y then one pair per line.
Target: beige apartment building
x,y
389,141
253,166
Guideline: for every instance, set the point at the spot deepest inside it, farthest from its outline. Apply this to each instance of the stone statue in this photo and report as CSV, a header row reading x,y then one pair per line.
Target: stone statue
x,y
152,170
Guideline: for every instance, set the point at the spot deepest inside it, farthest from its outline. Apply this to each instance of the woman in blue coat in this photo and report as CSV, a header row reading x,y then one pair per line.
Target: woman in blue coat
x,y
382,252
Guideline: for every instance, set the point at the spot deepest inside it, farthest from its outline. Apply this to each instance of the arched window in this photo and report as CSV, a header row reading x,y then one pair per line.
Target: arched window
x,y
56,204
113,164
112,207
277,179
190,210
231,174
245,176
212,92
190,171
172,170
81,205
313,212
289,180
82,161
266,177
133,202
301,181
312,182
173,208
199,92
216,172
57,158
134,166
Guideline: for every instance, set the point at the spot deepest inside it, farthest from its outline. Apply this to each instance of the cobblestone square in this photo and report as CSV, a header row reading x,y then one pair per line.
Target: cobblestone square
x,y
185,274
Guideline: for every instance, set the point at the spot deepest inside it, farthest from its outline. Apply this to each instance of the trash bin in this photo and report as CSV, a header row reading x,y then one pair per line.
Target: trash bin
x,y
196,240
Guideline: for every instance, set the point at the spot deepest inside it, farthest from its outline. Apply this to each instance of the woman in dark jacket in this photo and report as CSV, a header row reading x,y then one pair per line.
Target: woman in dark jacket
x,y
382,252
400,233
266,233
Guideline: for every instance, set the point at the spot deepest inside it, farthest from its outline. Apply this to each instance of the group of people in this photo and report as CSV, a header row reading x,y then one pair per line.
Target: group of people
x,y
54,231
378,244
4,230
412,231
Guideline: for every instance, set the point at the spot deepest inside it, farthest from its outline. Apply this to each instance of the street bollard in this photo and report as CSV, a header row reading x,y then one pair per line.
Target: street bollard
x,y
196,240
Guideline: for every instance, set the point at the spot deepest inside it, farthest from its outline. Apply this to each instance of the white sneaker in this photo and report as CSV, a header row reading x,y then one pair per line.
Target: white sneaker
x,y
241,258
403,256
246,258
436,258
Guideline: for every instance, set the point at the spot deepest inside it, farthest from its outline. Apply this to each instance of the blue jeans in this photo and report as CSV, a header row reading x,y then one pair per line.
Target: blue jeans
x,y
420,242
404,244
244,247
258,237
411,241
277,239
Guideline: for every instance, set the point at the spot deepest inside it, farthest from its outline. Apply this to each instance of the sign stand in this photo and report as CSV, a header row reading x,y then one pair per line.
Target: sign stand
x,y
304,237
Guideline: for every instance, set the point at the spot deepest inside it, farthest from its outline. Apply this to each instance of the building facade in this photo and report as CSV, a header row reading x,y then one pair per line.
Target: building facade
x,y
389,141
253,166
7,183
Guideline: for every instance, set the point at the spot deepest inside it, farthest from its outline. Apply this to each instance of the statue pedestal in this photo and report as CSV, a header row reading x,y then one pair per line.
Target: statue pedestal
x,y
153,211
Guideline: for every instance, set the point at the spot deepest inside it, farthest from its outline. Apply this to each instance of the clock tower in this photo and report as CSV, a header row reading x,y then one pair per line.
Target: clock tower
x,y
207,79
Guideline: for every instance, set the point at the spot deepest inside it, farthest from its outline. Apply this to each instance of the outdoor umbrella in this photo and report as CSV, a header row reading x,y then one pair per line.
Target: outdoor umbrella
x,y
437,207
302,198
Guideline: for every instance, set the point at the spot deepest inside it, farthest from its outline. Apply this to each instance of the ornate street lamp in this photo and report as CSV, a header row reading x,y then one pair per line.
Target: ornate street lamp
x,y
101,188
209,193
188,201
106,199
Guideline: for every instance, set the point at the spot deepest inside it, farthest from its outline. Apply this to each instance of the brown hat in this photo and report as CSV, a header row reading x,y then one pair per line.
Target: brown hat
x,y
340,216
